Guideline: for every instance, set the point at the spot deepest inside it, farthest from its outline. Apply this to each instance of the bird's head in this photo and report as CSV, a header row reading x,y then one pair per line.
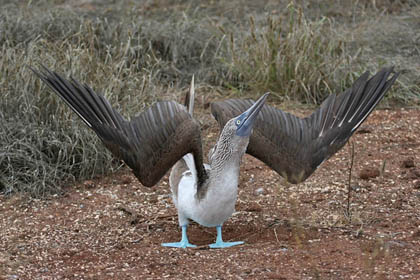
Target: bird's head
x,y
245,121
235,134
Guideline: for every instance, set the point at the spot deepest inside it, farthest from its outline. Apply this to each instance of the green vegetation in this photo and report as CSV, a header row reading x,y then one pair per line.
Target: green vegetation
x,y
138,52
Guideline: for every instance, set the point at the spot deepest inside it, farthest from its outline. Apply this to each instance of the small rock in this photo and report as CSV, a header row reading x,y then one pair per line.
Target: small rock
x,y
415,173
416,234
369,172
399,204
12,277
43,270
393,243
417,185
364,130
126,180
407,163
276,276
153,200
412,174
253,207
259,191
89,184
356,188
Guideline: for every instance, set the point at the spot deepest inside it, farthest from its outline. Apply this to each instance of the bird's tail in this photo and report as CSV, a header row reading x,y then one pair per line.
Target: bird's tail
x,y
189,98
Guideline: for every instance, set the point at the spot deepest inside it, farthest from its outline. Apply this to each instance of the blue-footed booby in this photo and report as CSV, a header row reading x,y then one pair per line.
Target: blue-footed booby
x,y
166,135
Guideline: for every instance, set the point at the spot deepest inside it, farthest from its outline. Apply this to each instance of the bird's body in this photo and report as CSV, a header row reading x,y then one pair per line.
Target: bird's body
x,y
166,135
212,203
215,205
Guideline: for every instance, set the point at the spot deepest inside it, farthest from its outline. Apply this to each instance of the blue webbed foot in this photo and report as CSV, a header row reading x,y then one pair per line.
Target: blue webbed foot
x,y
180,244
184,243
220,243
225,244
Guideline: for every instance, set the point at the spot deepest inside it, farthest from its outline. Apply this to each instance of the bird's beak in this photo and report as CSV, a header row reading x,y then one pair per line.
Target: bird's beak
x,y
249,116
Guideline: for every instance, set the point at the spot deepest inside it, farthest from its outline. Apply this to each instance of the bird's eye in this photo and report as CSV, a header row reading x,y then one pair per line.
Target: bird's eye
x,y
238,122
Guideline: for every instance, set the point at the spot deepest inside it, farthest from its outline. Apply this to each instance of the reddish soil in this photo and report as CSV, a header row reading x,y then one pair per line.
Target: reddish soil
x,y
112,227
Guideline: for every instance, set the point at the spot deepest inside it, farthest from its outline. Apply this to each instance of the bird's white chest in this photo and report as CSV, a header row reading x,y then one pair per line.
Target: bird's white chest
x,y
216,206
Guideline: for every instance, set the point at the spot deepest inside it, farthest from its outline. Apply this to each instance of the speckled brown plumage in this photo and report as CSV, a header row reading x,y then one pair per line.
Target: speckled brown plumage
x,y
295,147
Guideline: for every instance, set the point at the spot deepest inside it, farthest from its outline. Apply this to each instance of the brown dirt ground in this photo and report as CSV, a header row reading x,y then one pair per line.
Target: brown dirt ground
x,y
112,227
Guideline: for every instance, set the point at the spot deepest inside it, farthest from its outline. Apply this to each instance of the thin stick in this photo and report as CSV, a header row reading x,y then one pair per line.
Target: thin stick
x,y
275,233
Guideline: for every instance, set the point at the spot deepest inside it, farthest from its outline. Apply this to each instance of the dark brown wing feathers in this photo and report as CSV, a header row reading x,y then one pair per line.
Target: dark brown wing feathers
x,y
150,143
295,147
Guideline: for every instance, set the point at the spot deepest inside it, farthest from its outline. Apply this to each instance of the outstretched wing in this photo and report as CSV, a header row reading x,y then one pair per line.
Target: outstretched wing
x,y
150,144
295,147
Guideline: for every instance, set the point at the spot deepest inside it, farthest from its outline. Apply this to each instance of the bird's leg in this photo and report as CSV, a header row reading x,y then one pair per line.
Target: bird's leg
x,y
220,243
184,243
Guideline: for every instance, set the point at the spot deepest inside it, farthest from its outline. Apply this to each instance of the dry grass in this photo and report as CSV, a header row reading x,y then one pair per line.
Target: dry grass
x,y
138,52
292,57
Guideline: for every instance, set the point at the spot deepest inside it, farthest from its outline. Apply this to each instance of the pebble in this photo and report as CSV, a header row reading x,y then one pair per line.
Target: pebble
x,y
393,243
43,270
259,191
407,163
368,173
